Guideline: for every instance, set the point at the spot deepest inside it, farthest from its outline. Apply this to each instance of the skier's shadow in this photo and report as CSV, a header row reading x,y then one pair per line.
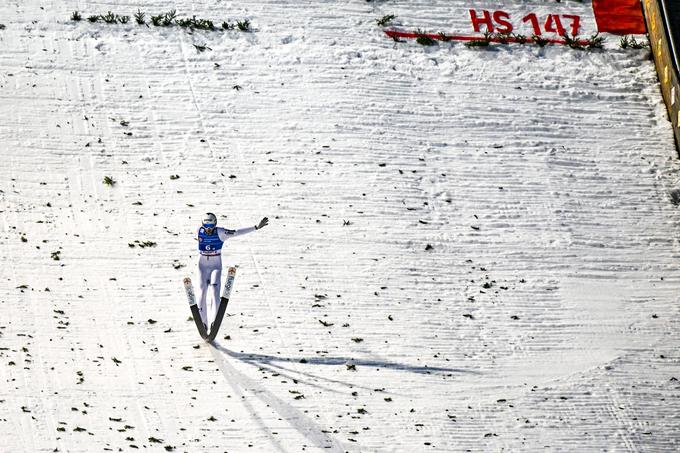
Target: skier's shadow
x,y
279,362
245,386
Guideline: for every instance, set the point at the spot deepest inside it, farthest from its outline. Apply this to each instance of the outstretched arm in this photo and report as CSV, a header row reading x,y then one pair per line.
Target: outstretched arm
x,y
233,233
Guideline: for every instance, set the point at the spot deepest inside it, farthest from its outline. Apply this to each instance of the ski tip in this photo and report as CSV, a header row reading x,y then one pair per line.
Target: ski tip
x,y
232,271
187,281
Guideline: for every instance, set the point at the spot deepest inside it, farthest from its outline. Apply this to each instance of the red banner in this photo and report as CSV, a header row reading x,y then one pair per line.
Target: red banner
x,y
620,17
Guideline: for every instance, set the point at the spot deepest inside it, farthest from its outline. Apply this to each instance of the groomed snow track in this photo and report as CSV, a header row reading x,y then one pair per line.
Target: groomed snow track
x,y
468,251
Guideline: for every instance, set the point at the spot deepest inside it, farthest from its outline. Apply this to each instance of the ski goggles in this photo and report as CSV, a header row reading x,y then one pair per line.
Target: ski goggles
x,y
209,226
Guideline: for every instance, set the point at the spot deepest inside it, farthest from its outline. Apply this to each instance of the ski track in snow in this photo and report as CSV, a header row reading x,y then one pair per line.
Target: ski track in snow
x,y
542,316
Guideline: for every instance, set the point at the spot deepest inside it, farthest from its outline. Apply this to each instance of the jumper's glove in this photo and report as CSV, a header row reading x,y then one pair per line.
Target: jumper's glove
x,y
263,223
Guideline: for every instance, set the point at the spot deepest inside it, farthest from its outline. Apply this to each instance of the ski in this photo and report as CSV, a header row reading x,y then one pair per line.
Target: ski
x,y
224,300
189,288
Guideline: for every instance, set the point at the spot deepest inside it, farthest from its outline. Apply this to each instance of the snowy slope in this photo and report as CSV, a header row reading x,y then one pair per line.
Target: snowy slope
x,y
488,232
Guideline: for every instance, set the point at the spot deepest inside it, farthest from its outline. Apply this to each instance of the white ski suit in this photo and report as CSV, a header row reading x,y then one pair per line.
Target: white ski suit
x,y
210,267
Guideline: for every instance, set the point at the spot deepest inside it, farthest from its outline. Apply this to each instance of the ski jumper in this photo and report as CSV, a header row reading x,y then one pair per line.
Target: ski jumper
x,y
210,266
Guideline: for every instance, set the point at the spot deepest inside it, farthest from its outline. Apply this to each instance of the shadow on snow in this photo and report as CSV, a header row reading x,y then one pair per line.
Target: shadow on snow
x,y
316,360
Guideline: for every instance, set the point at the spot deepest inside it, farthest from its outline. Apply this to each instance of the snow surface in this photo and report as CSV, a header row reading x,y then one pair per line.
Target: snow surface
x,y
488,235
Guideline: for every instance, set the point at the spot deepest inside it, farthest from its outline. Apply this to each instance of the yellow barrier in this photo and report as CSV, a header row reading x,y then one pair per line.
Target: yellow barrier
x,y
659,40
